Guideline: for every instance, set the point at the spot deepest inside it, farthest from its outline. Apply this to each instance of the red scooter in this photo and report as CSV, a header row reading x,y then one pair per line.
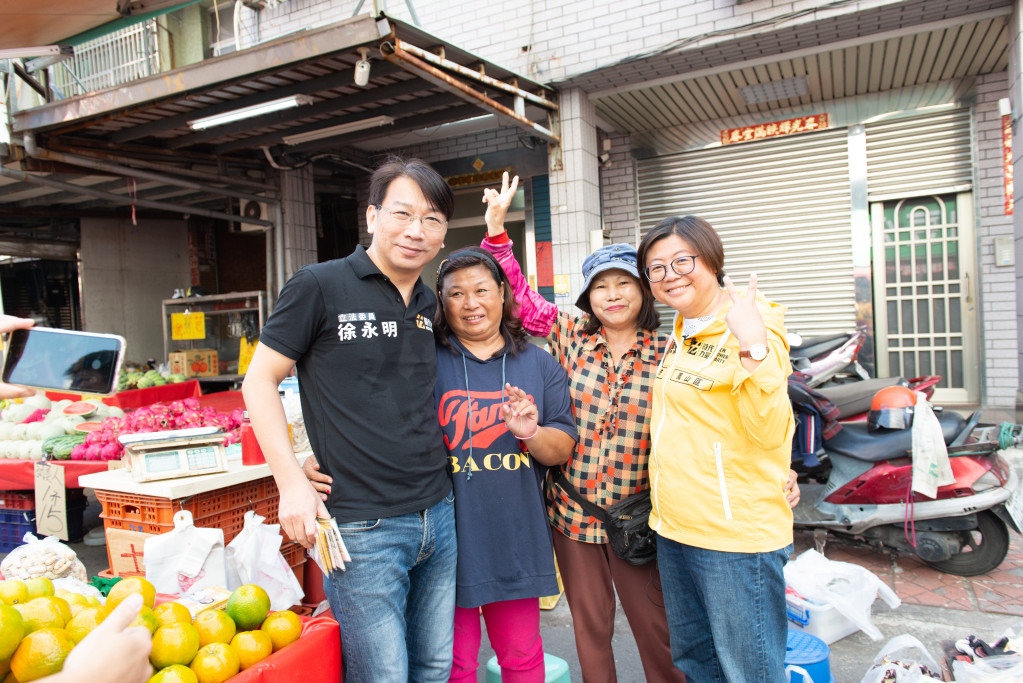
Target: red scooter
x,y
860,491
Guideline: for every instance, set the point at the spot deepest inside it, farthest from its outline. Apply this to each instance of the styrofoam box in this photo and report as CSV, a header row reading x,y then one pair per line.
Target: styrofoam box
x,y
823,621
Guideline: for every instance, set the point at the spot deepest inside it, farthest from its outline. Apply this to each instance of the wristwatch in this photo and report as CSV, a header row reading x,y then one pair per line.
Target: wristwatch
x,y
756,352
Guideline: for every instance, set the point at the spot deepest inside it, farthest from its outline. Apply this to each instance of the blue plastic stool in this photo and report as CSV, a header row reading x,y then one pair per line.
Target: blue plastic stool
x,y
555,668
809,653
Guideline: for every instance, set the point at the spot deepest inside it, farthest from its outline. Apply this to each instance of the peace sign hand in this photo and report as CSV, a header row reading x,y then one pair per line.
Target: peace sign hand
x,y
498,204
743,318
519,413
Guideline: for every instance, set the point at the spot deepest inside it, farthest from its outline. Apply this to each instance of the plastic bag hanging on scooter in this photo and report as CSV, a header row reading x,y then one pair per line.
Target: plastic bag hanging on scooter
x,y
931,467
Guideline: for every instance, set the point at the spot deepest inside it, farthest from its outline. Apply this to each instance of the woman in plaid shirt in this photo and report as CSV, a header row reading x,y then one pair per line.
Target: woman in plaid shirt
x,y
611,356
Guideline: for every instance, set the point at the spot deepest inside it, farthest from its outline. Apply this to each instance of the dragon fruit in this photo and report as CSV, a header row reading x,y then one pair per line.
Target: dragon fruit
x,y
78,452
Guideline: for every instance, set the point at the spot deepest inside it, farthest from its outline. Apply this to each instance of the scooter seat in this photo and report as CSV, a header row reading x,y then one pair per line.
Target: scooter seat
x,y
853,398
855,441
818,346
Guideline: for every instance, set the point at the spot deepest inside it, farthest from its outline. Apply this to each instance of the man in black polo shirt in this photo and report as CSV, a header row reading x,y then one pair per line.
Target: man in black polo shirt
x,y
360,331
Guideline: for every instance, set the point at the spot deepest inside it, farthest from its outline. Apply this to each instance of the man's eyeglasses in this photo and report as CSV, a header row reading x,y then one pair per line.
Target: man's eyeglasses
x,y
405,218
683,265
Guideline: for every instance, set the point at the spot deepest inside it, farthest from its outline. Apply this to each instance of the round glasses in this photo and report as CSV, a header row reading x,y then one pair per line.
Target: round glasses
x,y
683,265
405,218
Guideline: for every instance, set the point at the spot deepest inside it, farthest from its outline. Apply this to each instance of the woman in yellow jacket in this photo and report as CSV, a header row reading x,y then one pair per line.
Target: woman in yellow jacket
x,y
721,443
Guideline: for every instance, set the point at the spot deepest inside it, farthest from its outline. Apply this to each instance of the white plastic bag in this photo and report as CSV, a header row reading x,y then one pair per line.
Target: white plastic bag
x,y
931,467
997,669
185,558
254,557
849,588
73,585
900,660
46,557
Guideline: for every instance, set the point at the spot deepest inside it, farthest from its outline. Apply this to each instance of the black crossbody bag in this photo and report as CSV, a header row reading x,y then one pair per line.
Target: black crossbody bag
x,y
626,522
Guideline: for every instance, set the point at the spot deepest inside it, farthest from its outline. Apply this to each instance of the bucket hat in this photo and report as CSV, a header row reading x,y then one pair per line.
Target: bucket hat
x,y
620,256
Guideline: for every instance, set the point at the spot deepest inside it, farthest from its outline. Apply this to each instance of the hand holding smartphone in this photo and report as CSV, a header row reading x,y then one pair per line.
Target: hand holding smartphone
x,y
63,360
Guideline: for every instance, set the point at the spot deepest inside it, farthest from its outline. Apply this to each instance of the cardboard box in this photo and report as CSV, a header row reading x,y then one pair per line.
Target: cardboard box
x,y
125,550
194,363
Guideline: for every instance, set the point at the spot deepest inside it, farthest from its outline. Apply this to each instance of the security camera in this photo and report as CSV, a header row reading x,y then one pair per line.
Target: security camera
x,y
604,158
362,68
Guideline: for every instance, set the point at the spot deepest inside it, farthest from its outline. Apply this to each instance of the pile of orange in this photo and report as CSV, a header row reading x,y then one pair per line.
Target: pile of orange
x,y
39,627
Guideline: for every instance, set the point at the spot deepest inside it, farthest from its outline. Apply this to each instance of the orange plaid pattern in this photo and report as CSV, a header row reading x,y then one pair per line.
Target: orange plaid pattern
x,y
612,409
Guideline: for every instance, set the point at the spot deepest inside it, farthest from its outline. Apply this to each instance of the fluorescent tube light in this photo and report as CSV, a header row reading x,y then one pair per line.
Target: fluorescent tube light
x,y
341,129
249,112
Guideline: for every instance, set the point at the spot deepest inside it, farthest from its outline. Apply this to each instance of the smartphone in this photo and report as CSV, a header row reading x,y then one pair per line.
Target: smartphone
x,y
63,360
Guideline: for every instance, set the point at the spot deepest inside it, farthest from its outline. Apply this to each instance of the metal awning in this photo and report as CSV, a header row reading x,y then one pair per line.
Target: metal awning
x,y
657,96
146,130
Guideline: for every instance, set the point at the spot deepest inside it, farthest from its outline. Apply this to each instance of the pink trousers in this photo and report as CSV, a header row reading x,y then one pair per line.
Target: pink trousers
x,y
513,627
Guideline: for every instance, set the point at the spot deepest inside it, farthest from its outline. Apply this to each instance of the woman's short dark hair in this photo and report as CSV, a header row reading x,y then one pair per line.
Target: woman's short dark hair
x,y
649,318
433,186
697,232
511,325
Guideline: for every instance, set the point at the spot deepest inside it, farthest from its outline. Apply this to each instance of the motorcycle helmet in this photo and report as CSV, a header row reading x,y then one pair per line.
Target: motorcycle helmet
x,y
891,408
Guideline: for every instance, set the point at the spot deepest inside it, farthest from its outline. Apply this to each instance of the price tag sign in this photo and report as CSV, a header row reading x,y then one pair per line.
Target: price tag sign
x,y
51,500
188,325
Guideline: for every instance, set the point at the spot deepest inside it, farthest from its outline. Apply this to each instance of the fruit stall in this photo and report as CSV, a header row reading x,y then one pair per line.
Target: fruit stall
x,y
119,447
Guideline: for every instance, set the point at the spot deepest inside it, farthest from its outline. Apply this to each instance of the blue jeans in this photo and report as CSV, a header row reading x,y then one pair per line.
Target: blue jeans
x,y
726,612
395,601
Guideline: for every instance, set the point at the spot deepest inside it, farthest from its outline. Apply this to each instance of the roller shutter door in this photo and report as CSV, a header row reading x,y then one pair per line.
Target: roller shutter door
x,y
782,209
921,155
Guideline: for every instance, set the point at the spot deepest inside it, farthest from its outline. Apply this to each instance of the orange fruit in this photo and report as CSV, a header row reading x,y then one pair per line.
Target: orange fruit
x,y
174,644
83,622
42,613
172,613
175,673
61,605
40,654
38,586
132,584
12,630
214,626
146,619
252,647
248,606
283,628
13,591
215,663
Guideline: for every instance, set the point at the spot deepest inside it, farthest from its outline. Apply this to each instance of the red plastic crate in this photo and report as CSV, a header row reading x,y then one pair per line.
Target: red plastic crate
x,y
232,521
223,508
18,500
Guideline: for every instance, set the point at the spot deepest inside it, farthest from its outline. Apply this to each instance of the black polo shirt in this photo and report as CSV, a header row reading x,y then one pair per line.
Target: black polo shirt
x,y
366,369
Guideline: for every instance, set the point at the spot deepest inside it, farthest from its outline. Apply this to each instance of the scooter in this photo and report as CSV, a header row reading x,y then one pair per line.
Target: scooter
x,y
825,359
866,485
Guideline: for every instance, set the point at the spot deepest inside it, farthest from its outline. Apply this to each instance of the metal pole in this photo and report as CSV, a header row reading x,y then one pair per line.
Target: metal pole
x,y
119,199
86,162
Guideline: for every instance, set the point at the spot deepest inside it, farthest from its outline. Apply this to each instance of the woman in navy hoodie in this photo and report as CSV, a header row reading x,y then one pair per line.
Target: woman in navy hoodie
x,y
505,413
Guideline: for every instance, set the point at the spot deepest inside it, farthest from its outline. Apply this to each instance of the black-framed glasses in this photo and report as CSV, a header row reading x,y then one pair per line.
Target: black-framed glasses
x,y
405,218
683,265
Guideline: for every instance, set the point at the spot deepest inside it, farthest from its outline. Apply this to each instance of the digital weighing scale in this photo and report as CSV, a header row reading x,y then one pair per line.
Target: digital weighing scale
x,y
175,453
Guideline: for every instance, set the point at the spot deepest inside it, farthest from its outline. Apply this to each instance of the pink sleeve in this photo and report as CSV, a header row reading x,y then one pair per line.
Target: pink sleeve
x,y
538,315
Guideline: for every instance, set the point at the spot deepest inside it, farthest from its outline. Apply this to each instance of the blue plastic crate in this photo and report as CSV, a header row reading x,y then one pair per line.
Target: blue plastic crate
x,y
13,526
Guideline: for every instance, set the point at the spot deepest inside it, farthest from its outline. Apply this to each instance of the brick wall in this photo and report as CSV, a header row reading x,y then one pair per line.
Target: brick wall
x,y
551,40
997,283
